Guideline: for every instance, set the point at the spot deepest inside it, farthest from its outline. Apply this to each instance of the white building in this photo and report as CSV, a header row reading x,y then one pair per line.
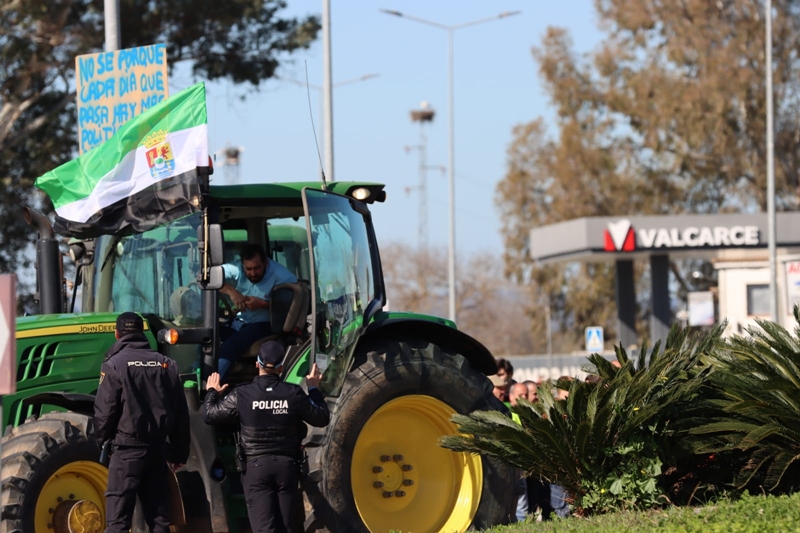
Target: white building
x,y
744,289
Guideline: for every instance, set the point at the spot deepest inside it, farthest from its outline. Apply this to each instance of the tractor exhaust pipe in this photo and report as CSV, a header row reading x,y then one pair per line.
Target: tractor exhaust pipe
x,y
49,266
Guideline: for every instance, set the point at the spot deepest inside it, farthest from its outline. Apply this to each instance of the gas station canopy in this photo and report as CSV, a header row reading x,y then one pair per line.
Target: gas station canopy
x,y
680,236
657,239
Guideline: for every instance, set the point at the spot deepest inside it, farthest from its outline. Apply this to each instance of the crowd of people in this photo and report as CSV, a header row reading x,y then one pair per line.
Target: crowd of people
x,y
536,497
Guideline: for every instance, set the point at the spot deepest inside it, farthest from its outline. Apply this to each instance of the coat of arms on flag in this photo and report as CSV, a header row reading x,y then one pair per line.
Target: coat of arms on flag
x,y
159,154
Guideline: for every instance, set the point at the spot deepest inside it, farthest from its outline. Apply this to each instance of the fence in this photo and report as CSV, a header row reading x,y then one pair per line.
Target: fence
x,y
543,367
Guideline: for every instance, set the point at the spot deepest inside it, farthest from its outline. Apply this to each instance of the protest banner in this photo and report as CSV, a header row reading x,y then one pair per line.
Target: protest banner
x,y
114,87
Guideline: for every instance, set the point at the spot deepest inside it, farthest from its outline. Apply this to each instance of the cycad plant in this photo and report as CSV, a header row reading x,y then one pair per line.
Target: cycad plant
x,y
757,405
606,443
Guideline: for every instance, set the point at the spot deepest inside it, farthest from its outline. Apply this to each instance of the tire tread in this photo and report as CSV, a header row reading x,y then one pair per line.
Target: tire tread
x,y
25,448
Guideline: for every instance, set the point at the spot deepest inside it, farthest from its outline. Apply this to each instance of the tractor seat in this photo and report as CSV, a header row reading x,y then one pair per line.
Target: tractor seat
x,y
290,305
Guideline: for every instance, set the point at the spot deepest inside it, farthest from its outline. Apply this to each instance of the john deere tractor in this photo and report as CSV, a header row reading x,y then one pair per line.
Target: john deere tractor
x,y
392,380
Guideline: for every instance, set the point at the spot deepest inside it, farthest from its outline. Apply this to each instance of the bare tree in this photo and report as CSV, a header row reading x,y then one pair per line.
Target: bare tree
x,y
489,307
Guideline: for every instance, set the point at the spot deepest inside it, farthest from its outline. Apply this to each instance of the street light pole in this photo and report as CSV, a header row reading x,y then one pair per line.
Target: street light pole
x,y
771,225
451,178
451,251
111,22
327,87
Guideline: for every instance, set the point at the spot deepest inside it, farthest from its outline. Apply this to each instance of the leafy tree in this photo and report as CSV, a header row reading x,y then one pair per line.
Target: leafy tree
x,y
666,115
243,41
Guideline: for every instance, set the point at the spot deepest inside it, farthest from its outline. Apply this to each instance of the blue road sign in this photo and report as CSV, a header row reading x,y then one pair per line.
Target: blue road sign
x,y
594,339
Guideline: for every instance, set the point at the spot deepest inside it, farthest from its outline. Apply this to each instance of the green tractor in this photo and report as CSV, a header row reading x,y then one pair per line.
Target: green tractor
x,y
392,380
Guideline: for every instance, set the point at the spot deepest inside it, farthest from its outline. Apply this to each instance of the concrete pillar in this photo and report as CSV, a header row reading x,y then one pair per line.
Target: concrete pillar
x,y
626,303
661,316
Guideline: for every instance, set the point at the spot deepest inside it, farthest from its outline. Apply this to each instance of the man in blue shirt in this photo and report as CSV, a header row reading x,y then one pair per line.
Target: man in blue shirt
x,y
248,283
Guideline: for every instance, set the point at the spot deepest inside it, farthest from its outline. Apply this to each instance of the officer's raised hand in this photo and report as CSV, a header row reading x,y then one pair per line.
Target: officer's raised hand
x,y
314,377
213,383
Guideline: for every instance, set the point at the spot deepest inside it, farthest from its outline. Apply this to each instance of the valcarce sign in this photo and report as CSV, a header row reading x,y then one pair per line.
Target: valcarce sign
x,y
621,236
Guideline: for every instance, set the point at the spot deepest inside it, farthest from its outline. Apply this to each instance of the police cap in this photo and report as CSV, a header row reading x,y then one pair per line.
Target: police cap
x,y
129,322
270,354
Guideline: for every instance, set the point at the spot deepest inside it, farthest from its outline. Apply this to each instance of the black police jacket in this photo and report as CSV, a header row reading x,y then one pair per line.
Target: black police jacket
x,y
140,400
270,412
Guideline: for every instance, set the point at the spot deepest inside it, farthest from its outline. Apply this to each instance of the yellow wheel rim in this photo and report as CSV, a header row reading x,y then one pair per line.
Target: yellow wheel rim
x,y
403,480
79,481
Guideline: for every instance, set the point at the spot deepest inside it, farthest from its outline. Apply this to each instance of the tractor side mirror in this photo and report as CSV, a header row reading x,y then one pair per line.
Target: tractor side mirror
x,y
216,278
215,245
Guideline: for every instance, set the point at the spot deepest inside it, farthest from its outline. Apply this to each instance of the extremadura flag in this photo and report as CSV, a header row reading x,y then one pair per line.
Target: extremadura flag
x,y
144,176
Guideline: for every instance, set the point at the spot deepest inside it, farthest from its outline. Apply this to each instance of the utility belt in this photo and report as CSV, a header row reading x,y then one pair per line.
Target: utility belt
x,y
301,459
108,447
121,440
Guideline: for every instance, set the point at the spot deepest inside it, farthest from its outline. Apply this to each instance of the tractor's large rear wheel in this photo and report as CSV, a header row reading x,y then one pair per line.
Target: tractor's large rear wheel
x,y
379,466
52,481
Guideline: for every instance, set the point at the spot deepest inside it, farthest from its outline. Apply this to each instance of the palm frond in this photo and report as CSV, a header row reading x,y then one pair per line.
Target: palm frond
x,y
753,401
780,464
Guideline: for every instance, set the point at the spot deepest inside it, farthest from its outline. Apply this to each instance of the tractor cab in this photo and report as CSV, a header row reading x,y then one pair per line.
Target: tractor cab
x,y
323,238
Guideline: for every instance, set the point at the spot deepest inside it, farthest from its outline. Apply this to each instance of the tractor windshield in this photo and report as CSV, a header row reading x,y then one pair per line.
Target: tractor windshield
x,y
149,273
345,283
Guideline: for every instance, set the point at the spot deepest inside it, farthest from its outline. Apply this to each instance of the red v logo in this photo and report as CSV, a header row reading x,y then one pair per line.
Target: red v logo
x,y
619,237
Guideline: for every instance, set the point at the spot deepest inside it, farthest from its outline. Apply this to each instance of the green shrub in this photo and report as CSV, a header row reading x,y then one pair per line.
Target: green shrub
x,y
631,484
606,443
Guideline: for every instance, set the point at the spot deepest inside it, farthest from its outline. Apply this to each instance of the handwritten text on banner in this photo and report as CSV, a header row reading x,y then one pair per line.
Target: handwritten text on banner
x,y
114,87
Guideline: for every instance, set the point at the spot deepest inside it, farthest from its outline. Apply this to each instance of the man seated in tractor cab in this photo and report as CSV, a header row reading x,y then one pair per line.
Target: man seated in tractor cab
x,y
248,283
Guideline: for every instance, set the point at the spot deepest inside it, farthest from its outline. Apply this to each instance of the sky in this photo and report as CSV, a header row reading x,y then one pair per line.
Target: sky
x,y
496,87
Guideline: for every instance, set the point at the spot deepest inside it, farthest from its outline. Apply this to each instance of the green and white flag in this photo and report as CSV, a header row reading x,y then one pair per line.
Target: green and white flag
x,y
141,178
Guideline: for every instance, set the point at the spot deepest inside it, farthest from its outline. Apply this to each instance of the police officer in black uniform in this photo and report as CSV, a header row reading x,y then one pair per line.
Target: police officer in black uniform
x,y
140,407
271,415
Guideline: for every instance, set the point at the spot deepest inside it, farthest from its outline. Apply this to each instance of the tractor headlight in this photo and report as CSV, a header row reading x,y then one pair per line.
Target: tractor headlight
x,y
362,193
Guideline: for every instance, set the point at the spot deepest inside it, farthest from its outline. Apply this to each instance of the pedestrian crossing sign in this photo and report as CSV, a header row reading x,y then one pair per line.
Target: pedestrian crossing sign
x,y
594,339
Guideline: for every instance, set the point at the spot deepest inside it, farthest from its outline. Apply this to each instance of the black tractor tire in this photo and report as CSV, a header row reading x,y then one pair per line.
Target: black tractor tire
x,y
383,371
31,454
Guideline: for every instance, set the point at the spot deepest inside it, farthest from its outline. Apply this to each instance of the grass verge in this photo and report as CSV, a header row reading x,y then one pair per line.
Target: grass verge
x,y
750,514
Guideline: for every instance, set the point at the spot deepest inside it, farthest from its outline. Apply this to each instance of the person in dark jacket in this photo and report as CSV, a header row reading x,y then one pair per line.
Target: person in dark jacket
x,y
141,409
270,413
